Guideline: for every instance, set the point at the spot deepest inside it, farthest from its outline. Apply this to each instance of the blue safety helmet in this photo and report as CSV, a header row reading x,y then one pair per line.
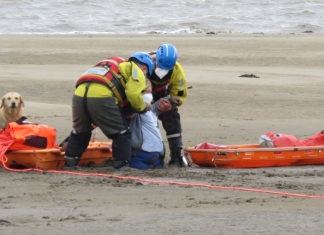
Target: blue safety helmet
x,y
166,56
143,58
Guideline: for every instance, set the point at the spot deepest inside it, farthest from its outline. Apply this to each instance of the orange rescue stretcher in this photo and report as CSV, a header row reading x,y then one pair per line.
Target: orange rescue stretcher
x,y
252,156
53,159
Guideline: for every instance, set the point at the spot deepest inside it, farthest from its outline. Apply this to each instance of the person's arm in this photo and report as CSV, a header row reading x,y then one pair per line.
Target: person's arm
x,y
178,84
135,85
165,105
154,108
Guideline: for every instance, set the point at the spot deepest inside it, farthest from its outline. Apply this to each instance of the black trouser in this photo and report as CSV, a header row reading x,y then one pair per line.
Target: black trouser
x,y
108,116
172,126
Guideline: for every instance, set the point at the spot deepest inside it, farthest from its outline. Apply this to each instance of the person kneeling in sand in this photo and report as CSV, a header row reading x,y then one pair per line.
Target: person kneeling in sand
x,y
103,96
169,80
147,143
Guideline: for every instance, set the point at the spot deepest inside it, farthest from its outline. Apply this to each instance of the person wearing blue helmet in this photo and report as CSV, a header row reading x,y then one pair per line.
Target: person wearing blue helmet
x,y
105,96
169,80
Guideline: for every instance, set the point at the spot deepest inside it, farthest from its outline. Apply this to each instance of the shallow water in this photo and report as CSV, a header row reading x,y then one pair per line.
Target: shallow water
x,y
152,16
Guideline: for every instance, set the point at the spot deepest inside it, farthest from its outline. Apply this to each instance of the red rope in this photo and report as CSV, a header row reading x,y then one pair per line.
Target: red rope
x,y
161,182
5,144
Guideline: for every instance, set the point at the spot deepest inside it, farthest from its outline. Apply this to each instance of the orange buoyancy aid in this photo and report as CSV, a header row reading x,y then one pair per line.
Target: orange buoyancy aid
x,y
29,136
107,73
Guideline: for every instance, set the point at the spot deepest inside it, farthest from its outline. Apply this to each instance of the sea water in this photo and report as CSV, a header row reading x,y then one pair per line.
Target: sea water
x,y
153,16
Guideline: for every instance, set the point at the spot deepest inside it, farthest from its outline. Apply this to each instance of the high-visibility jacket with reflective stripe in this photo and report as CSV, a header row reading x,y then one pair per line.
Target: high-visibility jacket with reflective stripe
x,y
175,82
126,77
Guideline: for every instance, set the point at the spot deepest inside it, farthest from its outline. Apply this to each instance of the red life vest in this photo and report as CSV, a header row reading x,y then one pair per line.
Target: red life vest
x,y
107,73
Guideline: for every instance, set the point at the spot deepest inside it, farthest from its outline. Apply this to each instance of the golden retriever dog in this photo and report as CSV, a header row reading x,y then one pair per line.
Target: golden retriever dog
x,y
11,108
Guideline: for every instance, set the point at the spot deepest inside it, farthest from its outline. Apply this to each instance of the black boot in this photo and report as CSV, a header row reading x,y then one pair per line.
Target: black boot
x,y
121,165
176,158
175,145
71,163
121,150
76,146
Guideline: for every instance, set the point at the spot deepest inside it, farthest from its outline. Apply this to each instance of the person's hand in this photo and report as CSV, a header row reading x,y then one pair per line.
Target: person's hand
x,y
93,126
148,107
131,116
164,105
176,100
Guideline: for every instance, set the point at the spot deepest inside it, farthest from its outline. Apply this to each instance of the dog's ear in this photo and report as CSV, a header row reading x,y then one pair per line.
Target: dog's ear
x,y
22,101
2,101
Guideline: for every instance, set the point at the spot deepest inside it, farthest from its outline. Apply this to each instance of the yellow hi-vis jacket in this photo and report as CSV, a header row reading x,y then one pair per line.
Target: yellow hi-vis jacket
x,y
135,85
176,84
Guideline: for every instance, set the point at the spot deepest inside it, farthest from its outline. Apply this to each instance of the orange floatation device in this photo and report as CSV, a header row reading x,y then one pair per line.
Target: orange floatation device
x,y
274,149
30,145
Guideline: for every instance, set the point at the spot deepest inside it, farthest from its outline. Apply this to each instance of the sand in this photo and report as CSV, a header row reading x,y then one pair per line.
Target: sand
x,y
222,108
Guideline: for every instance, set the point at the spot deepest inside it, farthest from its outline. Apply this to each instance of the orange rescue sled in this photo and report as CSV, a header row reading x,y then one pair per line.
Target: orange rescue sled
x,y
52,159
251,156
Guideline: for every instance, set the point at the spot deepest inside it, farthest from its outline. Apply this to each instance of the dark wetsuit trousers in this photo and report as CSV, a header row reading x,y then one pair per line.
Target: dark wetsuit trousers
x,y
105,114
172,126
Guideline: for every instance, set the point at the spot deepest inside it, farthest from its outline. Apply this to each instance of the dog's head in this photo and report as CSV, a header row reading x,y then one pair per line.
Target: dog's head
x,y
12,100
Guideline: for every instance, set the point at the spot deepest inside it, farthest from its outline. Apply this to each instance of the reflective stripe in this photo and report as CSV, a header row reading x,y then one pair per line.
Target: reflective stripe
x,y
181,84
123,132
174,135
97,71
